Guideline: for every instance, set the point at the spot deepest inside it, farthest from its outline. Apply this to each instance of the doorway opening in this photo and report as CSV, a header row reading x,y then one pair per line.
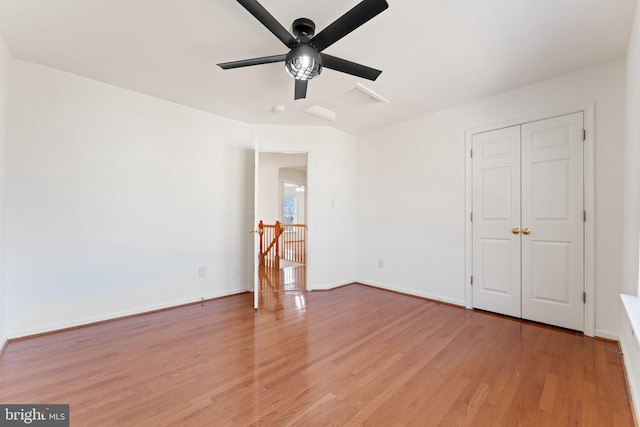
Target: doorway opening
x,y
282,215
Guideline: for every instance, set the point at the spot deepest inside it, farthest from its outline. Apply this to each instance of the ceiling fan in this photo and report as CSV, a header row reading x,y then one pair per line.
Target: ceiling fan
x,y
305,59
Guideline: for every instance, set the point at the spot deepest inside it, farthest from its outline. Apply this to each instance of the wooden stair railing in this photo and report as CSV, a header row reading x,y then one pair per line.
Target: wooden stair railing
x,y
271,234
292,248
295,243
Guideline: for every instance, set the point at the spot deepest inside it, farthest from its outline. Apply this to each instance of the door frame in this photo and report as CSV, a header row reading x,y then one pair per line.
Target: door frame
x,y
588,109
289,149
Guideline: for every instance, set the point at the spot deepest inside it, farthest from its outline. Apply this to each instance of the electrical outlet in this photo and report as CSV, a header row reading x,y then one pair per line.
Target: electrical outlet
x,y
202,271
380,263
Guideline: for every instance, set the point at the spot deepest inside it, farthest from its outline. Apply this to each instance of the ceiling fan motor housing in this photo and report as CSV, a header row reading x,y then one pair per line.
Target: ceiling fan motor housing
x,y
303,28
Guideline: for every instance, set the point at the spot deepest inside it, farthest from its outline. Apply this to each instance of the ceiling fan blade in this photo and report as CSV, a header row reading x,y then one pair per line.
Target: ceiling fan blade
x,y
262,15
348,22
254,61
301,89
349,67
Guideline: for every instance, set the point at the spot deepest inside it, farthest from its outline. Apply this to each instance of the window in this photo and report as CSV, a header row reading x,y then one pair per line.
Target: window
x,y
289,210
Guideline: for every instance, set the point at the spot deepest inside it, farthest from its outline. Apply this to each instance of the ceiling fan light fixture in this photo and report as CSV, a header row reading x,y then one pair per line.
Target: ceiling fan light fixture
x,y
303,63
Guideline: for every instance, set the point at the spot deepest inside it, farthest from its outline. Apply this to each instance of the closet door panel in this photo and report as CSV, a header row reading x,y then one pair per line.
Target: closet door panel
x,y
553,222
496,212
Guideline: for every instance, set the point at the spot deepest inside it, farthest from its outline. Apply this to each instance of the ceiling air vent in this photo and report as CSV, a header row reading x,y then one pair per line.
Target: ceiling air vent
x,y
321,112
354,100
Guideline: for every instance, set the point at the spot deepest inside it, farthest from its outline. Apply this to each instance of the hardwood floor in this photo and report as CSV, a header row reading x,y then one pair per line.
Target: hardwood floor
x,y
291,278
350,356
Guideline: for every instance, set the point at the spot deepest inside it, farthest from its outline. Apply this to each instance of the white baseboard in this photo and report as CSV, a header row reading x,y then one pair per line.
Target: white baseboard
x,y
631,382
413,293
600,333
116,315
329,286
3,344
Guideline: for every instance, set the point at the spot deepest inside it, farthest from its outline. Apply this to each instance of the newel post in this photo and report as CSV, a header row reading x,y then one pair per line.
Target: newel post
x,y
278,231
261,233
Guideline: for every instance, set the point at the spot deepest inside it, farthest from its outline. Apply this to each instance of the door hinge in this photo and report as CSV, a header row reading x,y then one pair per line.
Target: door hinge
x,y
584,216
471,217
471,280
471,153
584,297
584,134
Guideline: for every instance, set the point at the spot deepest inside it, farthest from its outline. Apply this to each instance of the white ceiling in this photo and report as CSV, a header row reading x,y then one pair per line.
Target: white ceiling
x,y
434,54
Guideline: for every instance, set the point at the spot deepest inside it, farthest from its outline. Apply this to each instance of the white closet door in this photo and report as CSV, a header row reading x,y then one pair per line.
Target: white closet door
x,y
496,212
552,209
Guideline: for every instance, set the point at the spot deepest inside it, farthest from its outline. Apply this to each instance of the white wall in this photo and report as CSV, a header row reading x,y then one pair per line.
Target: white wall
x,y
115,199
629,339
411,189
268,195
331,198
631,156
5,60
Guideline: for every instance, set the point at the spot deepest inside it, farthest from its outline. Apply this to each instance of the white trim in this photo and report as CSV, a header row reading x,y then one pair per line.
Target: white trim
x,y
433,297
608,335
589,202
255,247
590,223
120,314
329,286
468,224
635,395
631,306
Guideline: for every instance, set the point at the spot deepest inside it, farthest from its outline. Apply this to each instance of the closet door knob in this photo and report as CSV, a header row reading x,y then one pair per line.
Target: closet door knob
x,y
526,231
515,230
